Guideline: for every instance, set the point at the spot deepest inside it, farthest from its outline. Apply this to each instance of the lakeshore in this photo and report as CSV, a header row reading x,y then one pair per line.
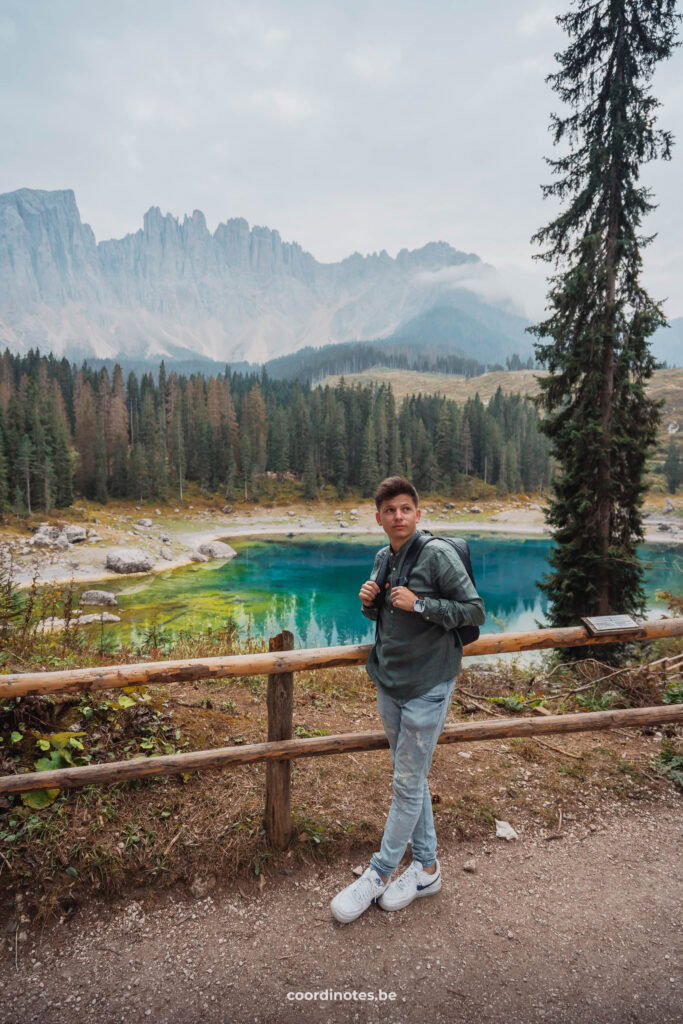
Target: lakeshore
x,y
179,532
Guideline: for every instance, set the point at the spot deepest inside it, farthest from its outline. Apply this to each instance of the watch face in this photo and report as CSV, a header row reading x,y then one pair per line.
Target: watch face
x,y
419,605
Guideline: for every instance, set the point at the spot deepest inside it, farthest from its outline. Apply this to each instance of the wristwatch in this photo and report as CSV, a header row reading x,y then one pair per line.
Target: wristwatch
x,y
419,605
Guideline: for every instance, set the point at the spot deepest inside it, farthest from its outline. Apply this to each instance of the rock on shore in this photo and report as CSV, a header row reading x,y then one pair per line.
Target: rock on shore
x,y
216,549
98,597
129,560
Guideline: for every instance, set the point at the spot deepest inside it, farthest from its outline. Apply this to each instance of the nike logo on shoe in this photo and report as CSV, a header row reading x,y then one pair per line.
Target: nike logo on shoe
x,y
421,887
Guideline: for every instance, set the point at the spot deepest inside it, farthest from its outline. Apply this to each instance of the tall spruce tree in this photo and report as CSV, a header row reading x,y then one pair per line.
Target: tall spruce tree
x,y
100,459
4,488
64,489
310,478
25,465
369,472
598,417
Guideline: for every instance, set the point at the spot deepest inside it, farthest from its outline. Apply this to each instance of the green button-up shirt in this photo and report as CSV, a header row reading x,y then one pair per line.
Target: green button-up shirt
x,y
416,650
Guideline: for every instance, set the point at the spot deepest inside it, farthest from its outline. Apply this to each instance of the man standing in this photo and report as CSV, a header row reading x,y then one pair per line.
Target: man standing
x,y
414,663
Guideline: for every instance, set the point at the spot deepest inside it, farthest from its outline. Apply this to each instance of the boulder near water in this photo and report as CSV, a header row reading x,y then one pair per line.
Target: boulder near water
x,y
87,620
216,549
129,560
104,597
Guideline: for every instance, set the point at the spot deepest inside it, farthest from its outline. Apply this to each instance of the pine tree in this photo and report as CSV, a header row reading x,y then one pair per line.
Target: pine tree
x,y
100,457
598,417
443,447
119,469
84,411
63,466
25,465
205,455
228,457
133,400
245,461
466,452
45,471
340,462
279,442
162,458
116,429
4,488
672,467
14,431
136,473
395,454
381,435
310,477
369,477
18,505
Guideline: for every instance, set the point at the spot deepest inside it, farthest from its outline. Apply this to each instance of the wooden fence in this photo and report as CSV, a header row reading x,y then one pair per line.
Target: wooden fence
x,y
279,664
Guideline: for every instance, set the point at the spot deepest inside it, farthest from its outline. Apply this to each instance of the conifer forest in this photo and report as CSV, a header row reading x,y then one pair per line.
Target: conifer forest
x,y
67,432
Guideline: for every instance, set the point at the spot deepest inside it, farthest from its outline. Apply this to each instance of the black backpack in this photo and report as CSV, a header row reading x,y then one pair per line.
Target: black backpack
x,y
467,634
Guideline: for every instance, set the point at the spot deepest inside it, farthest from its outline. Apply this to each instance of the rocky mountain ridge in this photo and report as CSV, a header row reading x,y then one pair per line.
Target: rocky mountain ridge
x,y
175,288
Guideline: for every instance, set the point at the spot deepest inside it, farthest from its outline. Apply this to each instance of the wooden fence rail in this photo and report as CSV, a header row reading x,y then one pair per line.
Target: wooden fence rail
x,y
316,746
149,673
280,663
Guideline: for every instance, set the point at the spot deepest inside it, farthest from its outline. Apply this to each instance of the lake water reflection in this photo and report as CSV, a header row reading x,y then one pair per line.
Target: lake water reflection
x,y
309,585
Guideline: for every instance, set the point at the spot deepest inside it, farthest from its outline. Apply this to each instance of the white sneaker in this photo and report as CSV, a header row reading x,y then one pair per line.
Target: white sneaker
x,y
413,883
352,901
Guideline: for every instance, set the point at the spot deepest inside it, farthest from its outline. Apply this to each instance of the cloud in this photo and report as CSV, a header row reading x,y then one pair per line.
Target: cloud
x,y
374,63
276,36
8,32
520,291
143,108
284,105
537,20
129,146
539,65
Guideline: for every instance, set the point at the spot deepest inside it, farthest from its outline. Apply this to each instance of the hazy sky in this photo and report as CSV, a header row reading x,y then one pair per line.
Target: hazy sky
x,y
370,125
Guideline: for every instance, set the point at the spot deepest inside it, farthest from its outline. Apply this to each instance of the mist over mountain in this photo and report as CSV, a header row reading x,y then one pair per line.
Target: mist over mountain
x,y
176,290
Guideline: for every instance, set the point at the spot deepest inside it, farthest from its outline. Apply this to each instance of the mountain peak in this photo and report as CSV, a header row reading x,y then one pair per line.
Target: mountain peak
x,y
241,293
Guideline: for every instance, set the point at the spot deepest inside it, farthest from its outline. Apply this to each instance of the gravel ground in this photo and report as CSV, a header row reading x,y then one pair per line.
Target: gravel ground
x,y
583,929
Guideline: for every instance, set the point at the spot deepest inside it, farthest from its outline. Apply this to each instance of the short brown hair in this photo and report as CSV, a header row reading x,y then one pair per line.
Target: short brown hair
x,y
391,487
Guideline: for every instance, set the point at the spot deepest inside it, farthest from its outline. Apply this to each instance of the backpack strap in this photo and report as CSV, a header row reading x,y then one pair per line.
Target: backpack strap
x,y
467,634
411,556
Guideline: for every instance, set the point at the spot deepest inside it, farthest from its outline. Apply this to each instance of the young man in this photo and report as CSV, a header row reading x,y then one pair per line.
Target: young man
x,y
413,664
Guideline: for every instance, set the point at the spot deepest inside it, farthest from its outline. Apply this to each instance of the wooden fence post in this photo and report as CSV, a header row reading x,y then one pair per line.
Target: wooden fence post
x,y
278,820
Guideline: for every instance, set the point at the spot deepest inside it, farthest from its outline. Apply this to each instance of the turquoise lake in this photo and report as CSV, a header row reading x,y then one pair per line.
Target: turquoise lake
x,y
310,585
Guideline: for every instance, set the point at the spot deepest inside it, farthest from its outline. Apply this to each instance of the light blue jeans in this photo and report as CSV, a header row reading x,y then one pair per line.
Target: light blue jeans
x,y
412,727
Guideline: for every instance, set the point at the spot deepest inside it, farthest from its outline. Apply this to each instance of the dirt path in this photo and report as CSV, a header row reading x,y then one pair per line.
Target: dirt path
x,y
582,929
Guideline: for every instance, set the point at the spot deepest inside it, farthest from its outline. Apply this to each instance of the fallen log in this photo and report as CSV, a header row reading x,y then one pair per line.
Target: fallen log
x,y
344,743
149,673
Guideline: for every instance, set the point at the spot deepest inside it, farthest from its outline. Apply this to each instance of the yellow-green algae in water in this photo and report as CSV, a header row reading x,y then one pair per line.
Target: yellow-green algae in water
x,y
309,585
